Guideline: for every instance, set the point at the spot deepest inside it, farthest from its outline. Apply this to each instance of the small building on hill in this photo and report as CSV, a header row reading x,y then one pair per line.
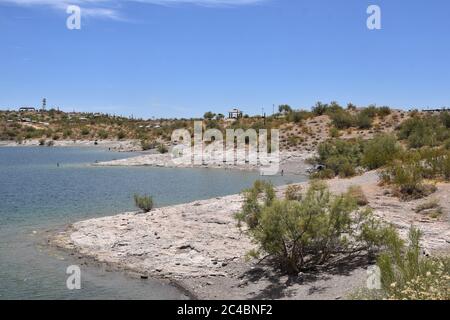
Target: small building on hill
x,y
27,109
436,110
235,114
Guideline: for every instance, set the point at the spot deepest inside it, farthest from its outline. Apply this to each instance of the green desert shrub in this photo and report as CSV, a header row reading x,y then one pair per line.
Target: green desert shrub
x,y
294,140
67,133
147,145
121,135
342,119
384,111
406,274
298,116
103,134
255,199
371,111
293,192
320,230
334,132
324,174
406,174
209,115
85,131
341,156
363,120
445,119
379,151
162,148
334,107
447,144
446,167
145,202
431,161
407,177
344,168
319,109
430,208
423,131
357,193
435,163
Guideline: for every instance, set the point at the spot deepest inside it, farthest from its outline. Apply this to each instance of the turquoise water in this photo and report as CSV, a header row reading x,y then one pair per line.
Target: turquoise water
x,y
36,195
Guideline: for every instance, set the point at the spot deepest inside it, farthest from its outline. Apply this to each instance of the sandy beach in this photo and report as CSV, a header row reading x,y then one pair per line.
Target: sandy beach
x,y
199,246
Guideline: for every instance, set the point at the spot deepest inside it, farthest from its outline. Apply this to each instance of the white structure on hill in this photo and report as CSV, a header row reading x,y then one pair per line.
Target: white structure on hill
x,y
235,114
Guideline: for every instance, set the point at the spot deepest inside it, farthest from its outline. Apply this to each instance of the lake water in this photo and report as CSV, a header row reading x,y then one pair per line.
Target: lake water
x,y
36,195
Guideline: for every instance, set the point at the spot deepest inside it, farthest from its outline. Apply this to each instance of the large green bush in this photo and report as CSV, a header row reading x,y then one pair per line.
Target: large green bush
x,y
445,119
363,120
407,175
341,156
379,151
317,231
319,109
423,131
342,119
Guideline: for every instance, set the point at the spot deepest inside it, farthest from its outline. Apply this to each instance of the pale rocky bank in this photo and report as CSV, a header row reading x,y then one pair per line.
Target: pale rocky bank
x,y
291,162
113,145
199,246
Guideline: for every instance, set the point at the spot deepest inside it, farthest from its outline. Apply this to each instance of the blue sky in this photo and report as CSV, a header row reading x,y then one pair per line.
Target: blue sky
x,y
180,58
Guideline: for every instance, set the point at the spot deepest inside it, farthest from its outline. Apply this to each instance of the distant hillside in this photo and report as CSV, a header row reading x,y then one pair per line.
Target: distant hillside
x,y
300,129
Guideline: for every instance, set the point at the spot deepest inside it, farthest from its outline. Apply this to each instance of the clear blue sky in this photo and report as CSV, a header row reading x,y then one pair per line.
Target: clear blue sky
x,y
180,58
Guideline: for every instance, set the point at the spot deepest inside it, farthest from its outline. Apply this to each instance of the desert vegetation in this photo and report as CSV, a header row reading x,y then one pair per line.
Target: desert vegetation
x,y
317,230
300,129
408,274
411,159
143,202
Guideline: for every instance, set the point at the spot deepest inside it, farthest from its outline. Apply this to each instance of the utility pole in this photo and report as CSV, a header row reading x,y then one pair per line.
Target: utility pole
x,y
264,115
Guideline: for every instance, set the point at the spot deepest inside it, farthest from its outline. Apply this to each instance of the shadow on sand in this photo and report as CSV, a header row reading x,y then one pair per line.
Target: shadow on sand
x,y
281,286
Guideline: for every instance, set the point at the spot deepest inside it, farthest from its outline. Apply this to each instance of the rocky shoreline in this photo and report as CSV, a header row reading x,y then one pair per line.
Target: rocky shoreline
x,y
290,163
199,247
113,145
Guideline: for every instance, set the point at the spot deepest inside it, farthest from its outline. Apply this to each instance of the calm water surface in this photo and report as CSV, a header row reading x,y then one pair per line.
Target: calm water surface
x,y
37,195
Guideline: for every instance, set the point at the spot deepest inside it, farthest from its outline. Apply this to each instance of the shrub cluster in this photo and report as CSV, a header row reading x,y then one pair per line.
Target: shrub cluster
x,y
380,151
363,119
410,169
406,274
145,202
420,131
319,230
340,157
